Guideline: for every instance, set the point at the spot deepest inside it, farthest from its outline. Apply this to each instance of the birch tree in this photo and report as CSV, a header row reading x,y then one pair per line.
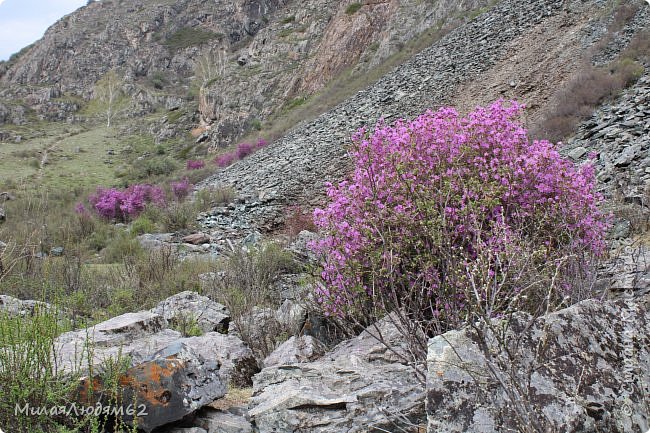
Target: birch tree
x,y
108,91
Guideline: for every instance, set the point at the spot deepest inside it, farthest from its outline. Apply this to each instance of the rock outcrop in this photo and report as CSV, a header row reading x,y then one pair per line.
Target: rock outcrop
x,y
296,350
582,369
359,385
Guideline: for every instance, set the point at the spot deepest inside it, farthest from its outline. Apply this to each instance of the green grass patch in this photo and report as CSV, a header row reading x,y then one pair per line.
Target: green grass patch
x,y
189,37
353,8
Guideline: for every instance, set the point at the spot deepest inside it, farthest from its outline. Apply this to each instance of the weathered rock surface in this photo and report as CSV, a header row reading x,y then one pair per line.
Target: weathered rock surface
x,y
209,315
14,307
220,421
296,350
619,135
168,386
582,369
238,365
360,384
275,52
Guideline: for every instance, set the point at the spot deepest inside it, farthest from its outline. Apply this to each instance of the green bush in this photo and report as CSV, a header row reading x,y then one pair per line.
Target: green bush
x,y
121,246
142,225
156,166
178,216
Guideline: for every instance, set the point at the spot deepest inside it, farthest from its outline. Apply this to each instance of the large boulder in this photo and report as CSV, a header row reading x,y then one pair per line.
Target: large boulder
x,y
15,307
359,385
170,385
296,350
209,315
582,369
238,365
162,374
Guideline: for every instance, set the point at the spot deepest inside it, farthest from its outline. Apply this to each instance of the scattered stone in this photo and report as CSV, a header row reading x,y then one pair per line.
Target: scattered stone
x,y
300,246
620,230
238,365
197,239
18,308
57,251
150,241
578,153
185,430
219,421
291,316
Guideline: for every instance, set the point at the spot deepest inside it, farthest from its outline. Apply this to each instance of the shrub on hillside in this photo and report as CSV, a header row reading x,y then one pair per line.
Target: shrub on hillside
x,y
225,159
122,205
444,212
244,149
181,188
195,165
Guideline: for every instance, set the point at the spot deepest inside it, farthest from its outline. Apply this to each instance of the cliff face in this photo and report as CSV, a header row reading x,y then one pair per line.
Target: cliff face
x,y
273,52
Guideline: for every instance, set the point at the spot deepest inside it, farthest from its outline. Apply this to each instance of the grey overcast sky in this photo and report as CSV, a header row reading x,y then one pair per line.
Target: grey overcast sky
x,y
23,22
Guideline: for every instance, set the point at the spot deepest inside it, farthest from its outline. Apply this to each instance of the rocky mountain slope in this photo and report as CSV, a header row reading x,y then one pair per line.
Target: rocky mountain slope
x,y
263,55
466,67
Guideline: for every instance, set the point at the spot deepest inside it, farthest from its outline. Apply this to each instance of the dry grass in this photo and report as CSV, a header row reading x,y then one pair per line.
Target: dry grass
x,y
235,397
592,86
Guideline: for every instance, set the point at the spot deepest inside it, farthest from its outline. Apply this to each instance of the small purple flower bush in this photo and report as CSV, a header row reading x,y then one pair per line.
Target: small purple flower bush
x,y
443,205
195,165
242,151
123,205
181,188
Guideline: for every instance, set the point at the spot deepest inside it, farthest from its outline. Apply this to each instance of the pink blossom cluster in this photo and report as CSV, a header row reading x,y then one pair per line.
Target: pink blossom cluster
x,y
195,164
122,205
181,188
241,152
443,182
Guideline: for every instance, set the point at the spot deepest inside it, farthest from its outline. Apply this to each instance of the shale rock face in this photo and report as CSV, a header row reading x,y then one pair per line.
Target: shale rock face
x,y
582,369
359,385
619,135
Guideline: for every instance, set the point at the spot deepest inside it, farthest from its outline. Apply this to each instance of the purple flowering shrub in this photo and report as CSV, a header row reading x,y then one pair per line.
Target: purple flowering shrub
x,y
443,212
241,152
244,149
181,188
123,205
225,159
195,165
